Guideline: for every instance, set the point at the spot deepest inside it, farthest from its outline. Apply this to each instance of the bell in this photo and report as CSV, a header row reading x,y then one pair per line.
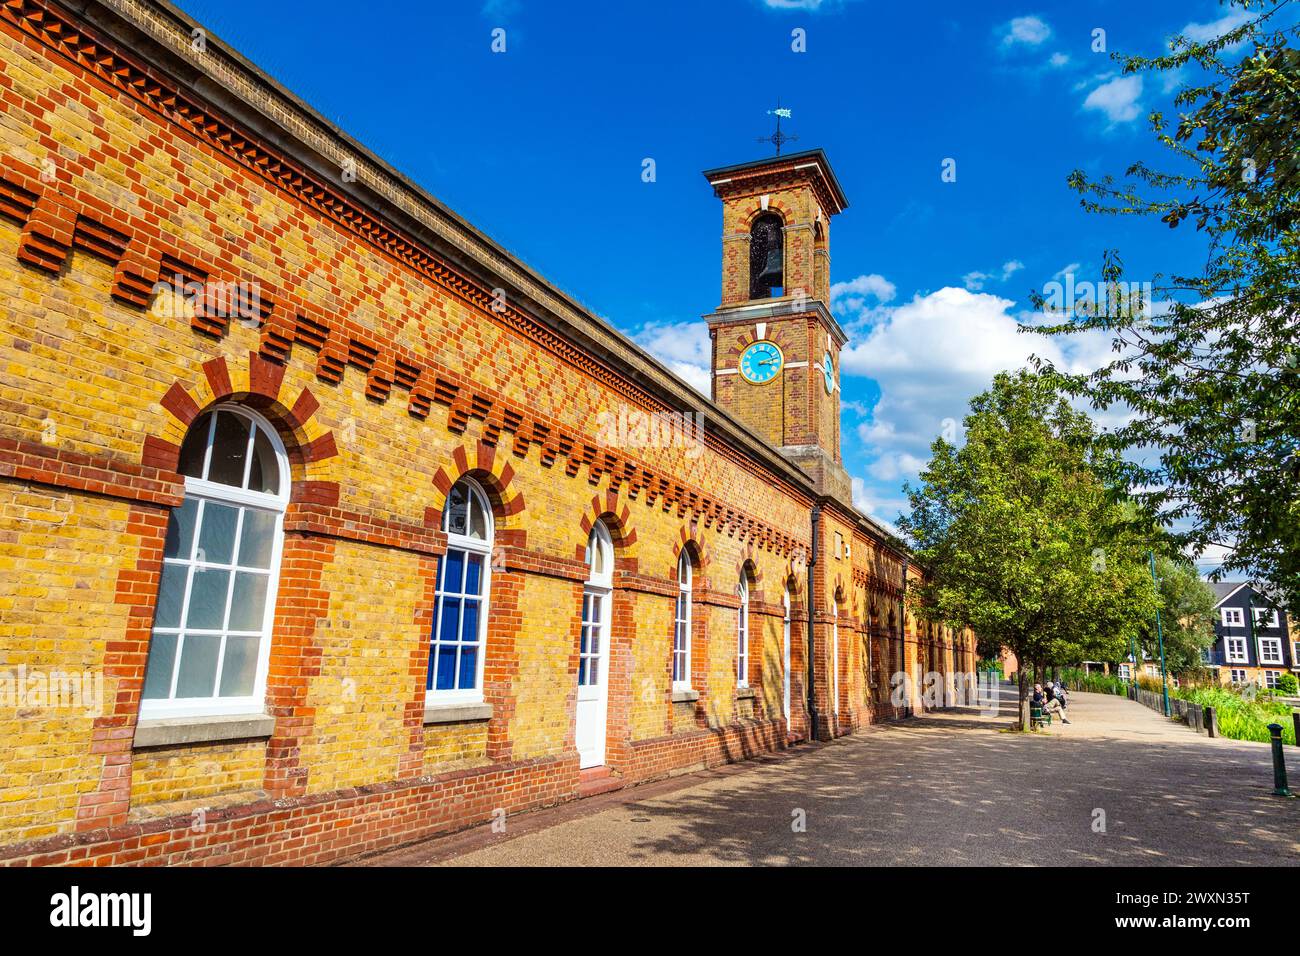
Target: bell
x,y
771,272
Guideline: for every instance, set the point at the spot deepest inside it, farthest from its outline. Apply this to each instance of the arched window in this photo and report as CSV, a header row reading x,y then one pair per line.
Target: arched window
x,y
221,562
593,648
742,634
460,609
766,256
682,628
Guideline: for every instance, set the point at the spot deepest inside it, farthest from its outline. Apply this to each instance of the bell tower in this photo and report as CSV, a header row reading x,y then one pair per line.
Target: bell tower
x,y
776,346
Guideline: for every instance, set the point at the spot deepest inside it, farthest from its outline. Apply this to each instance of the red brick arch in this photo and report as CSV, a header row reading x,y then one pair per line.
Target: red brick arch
x,y
257,386
617,517
690,540
774,205
491,469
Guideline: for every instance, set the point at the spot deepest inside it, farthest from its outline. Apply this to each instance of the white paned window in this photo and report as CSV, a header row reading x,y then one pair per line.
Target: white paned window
x,y
456,648
211,638
1236,648
742,636
595,603
682,625
1270,650
1232,617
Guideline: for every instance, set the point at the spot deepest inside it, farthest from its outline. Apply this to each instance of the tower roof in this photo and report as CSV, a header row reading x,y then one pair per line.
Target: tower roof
x,y
811,164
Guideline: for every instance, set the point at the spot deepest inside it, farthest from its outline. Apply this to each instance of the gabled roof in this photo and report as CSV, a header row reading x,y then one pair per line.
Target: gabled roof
x,y
1226,589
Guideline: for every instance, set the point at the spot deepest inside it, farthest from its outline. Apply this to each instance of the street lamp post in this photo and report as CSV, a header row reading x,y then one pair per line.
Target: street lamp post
x,y
1160,637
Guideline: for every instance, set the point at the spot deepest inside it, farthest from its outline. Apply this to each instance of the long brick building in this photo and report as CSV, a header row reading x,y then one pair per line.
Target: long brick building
x,y
329,525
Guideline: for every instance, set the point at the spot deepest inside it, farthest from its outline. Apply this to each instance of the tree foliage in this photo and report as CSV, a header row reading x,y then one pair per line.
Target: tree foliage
x,y
1212,371
1187,616
1022,539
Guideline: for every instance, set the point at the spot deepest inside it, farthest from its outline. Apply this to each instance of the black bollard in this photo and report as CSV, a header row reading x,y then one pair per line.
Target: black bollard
x,y
1211,722
1280,788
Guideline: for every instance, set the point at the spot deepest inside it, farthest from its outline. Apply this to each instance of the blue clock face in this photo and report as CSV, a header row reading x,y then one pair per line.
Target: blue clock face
x,y
761,362
828,373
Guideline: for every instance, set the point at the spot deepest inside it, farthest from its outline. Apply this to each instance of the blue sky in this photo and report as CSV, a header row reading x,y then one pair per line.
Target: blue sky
x,y
542,147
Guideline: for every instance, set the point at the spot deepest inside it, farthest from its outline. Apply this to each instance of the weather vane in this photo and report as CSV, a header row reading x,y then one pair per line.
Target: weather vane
x,y
778,139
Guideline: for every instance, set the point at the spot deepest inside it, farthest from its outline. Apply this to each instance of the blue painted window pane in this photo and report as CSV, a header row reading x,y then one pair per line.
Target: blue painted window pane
x,y
468,667
474,574
469,632
445,674
452,570
450,620
582,671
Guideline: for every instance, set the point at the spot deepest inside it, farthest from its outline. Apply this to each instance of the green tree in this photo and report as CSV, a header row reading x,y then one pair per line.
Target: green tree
x,y
1212,373
1022,540
1186,616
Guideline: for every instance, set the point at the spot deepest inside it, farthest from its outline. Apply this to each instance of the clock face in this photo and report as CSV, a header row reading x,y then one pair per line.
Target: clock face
x,y
828,373
761,362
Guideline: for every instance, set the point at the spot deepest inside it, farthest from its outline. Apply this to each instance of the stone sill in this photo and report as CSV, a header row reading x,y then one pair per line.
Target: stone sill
x,y
173,731
456,713
685,696
745,693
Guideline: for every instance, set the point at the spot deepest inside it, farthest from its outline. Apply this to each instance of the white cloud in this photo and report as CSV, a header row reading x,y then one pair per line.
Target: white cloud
x,y
1058,60
1118,99
684,347
930,356
974,281
808,6
874,285
1073,267
1026,31
860,300
1203,32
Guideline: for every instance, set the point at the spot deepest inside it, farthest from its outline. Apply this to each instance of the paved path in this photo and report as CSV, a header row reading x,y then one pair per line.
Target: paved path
x,y
948,789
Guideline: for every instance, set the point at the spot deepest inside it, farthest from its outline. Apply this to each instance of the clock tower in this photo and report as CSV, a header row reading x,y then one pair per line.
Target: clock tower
x,y
776,346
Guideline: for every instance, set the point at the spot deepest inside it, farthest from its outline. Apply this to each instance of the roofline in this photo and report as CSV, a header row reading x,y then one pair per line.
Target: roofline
x,y
392,196
819,155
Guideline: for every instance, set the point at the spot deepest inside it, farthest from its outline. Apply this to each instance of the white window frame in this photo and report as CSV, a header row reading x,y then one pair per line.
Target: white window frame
x,y
682,623
1238,658
217,493
1272,642
1270,679
742,634
482,548
1123,671
1232,675
595,595
1232,617
1265,617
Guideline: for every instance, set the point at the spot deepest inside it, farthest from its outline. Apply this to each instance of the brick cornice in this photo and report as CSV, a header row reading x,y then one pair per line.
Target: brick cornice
x,y
152,87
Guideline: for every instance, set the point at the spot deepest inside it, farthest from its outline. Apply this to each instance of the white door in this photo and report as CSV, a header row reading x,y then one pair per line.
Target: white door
x,y
785,629
835,659
593,673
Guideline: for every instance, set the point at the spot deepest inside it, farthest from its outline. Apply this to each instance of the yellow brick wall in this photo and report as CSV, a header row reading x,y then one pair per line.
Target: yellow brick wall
x,y
184,773
59,558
